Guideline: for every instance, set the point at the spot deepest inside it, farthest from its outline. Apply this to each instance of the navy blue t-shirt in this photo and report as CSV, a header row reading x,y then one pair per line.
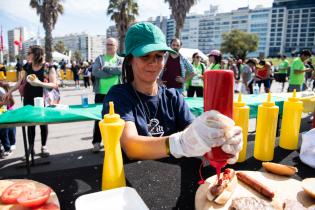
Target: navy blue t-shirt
x,y
160,115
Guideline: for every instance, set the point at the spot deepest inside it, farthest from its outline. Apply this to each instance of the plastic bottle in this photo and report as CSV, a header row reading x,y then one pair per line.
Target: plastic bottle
x,y
241,118
256,89
218,95
291,121
84,99
113,169
266,130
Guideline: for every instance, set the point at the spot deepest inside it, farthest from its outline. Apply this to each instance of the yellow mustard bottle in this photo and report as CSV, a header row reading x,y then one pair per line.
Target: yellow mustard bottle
x,y
266,130
241,118
113,168
291,121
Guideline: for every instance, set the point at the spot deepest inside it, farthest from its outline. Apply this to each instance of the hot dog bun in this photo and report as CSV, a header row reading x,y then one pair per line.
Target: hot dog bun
x,y
309,186
279,169
225,195
31,77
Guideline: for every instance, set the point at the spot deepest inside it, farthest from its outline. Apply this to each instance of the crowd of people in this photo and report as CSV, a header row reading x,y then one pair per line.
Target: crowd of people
x,y
154,93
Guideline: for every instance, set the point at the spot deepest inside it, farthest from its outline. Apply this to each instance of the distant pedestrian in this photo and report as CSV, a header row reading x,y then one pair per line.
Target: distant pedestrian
x,y
215,60
297,71
177,68
195,85
106,70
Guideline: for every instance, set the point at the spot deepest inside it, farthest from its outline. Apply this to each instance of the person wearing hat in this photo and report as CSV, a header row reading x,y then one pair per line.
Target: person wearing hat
x,y
158,121
262,74
177,69
215,59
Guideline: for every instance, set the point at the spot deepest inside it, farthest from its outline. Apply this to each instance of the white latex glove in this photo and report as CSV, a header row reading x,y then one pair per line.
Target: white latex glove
x,y
206,131
234,142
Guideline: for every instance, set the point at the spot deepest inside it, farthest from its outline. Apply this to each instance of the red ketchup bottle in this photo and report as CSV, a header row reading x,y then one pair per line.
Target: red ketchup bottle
x,y
218,95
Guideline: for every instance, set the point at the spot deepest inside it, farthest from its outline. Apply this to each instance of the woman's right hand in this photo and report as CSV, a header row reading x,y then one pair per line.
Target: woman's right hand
x,y
211,129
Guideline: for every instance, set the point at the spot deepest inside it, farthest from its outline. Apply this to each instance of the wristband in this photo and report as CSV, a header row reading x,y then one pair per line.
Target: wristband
x,y
167,146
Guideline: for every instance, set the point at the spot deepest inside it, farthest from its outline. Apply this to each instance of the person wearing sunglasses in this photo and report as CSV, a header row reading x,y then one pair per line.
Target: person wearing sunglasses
x,y
195,85
158,120
106,71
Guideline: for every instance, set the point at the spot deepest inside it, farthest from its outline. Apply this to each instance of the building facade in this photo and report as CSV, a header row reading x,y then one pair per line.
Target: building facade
x,y
15,40
292,26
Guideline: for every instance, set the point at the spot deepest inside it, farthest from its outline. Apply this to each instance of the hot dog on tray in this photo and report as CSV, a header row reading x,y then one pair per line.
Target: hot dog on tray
x,y
221,190
256,185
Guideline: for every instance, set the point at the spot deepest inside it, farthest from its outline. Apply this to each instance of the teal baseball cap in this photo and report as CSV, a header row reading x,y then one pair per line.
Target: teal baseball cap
x,y
143,38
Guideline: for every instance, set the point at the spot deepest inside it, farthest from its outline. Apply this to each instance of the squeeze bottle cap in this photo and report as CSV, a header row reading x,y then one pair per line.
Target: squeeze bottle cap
x,y
111,117
268,103
239,102
293,98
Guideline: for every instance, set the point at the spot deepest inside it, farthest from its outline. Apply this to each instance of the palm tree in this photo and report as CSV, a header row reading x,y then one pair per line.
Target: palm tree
x,y
123,12
180,8
48,11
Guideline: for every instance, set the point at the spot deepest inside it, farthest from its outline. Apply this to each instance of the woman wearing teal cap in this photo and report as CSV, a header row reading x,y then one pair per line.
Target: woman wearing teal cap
x,y
158,121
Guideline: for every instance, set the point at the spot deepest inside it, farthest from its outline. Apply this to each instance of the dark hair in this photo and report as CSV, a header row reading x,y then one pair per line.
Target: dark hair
x,y
306,52
176,39
127,72
38,53
283,56
194,55
217,59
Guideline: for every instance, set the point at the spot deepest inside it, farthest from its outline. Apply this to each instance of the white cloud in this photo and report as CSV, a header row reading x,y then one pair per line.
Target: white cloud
x,y
19,9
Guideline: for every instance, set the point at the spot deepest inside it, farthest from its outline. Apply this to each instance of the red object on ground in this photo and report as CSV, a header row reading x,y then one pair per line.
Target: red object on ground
x,y
218,95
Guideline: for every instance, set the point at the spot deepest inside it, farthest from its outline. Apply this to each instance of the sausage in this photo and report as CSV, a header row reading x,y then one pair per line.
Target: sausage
x,y
256,185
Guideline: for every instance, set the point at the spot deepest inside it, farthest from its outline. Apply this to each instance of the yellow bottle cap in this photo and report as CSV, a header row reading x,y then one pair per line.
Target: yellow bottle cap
x,y
268,102
293,98
111,117
239,102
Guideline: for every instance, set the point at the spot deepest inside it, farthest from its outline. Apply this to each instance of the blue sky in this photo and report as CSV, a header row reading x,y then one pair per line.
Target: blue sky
x,y
90,15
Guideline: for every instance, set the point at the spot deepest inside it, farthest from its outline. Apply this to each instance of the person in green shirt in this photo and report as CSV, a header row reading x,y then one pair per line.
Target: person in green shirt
x,y
297,71
196,83
106,70
215,58
283,70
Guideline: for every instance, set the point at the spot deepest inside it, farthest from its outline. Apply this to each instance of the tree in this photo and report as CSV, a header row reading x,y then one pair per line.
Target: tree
x,y
180,8
48,11
76,56
60,47
239,43
123,12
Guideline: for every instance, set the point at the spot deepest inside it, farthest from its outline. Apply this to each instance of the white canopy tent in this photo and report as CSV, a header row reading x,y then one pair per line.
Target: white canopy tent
x,y
59,56
188,52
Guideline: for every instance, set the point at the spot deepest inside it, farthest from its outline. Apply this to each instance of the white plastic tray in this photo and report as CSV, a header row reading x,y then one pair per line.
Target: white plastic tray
x,y
124,198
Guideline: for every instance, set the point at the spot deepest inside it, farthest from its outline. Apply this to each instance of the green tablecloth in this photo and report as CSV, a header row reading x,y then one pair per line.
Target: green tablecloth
x,y
30,114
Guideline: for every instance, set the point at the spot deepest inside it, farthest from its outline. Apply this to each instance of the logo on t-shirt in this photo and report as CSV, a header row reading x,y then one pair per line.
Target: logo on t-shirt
x,y
154,128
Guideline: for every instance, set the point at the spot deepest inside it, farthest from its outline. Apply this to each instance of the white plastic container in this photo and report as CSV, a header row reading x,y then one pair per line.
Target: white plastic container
x,y
123,198
256,89
39,101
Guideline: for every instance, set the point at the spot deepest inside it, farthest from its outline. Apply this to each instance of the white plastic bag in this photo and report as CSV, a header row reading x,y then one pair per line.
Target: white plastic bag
x,y
307,153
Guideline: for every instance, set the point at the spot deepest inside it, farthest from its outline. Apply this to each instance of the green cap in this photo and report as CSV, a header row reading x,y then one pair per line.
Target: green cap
x,y
143,38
